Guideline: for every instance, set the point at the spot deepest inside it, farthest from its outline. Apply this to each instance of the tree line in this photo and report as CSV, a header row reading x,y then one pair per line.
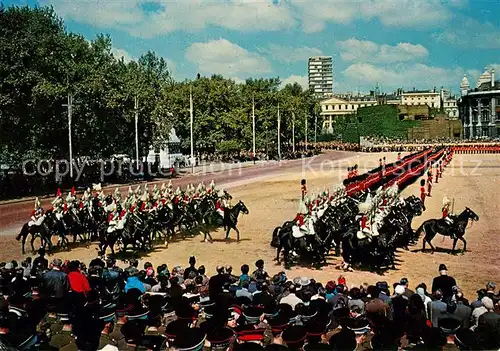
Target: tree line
x,y
41,63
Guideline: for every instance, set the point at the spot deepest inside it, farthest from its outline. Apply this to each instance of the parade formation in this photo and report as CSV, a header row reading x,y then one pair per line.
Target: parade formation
x,y
135,220
365,219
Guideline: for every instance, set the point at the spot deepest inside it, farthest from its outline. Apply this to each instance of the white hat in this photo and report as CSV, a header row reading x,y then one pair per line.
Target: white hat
x,y
96,187
399,290
130,191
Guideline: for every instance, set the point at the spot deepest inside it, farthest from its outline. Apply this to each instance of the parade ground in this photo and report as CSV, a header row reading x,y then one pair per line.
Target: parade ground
x,y
271,192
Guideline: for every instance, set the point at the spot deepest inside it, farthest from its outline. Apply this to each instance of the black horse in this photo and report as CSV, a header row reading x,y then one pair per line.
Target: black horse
x,y
230,220
456,229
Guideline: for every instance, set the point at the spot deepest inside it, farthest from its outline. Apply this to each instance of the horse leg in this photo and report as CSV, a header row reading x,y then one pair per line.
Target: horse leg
x,y
23,243
454,244
237,234
227,233
33,237
465,243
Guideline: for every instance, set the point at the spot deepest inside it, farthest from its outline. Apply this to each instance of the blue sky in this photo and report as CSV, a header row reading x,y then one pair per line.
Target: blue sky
x,y
396,43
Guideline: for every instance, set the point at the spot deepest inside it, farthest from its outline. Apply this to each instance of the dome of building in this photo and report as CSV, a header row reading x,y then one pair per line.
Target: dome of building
x,y
465,82
484,78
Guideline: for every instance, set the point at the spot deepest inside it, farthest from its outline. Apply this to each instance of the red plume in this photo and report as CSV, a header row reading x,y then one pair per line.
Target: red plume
x,y
58,192
73,191
65,207
122,213
81,205
131,209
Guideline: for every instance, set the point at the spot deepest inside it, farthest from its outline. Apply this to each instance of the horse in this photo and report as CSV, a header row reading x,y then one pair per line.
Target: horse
x,y
230,220
442,226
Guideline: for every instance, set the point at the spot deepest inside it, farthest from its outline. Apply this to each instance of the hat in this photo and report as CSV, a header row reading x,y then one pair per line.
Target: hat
x,y
399,290
252,314
491,285
249,332
220,338
107,313
278,324
442,267
316,346
276,347
294,336
248,346
358,325
9,265
487,303
302,281
449,326
344,340
190,339
56,262
403,281
174,328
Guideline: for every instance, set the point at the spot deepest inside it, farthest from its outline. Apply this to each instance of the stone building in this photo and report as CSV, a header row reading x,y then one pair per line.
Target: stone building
x,y
479,108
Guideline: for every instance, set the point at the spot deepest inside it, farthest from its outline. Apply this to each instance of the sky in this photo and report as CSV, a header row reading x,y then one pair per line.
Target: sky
x,y
393,43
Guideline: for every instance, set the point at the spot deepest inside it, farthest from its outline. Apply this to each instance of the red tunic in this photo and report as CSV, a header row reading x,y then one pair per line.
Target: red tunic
x,y
300,218
364,220
110,217
422,194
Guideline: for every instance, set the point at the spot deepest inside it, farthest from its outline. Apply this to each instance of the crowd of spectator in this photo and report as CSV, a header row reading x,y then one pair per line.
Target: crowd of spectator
x,y
71,306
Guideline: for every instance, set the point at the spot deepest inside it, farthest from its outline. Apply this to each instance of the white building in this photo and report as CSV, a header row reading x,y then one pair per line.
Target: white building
x,y
430,98
320,70
335,106
450,107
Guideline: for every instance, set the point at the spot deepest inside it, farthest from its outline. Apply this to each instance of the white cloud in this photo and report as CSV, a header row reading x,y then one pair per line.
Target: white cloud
x,y
368,51
223,57
402,75
170,16
402,13
470,33
166,16
302,80
287,54
407,13
120,53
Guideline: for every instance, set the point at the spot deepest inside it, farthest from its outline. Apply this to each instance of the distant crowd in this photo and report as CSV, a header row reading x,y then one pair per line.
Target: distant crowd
x,y
100,306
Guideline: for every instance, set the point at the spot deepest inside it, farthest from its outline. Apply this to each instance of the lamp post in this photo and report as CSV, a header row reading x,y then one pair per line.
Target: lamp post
x,y
253,129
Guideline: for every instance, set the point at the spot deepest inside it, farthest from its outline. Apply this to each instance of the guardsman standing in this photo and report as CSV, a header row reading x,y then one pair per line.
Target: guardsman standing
x,y
355,171
422,191
399,156
429,182
303,188
440,169
349,172
437,174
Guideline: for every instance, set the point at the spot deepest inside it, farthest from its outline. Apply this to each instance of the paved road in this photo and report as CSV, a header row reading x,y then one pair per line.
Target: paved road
x,y
14,215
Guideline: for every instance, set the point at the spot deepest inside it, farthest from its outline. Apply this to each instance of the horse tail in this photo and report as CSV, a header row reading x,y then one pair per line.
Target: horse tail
x,y
23,232
420,230
275,239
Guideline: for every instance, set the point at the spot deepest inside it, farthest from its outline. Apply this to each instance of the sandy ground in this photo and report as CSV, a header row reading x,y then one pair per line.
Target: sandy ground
x,y
472,180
